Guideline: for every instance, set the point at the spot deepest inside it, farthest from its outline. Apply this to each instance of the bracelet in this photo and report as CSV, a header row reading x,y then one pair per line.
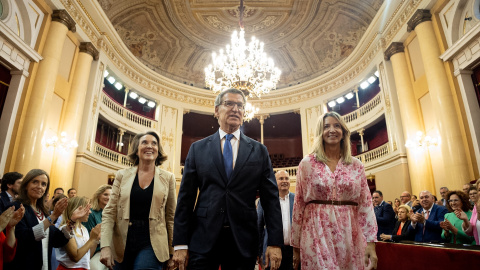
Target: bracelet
x,y
50,219
71,223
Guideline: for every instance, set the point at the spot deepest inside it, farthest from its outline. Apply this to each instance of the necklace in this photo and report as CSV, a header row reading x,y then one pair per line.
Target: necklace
x,y
39,214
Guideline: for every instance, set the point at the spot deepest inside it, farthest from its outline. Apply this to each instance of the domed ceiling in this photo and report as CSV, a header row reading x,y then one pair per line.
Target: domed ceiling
x,y
176,38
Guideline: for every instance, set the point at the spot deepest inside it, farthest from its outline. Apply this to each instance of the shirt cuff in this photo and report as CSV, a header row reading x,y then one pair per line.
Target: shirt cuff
x,y
180,247
66,233
39,231
414,224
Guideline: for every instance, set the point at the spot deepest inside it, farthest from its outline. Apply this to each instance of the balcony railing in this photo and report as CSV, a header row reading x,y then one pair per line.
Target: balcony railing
x,y
369,106
292,171
374,154
112,155
126,113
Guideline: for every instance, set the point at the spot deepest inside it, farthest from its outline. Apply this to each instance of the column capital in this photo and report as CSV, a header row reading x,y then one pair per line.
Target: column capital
x,y
421,15
121,131
394,48
87,47
62,16
361,132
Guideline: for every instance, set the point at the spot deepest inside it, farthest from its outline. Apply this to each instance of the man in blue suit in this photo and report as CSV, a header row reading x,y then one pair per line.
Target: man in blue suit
x,y
10,186
426,221
384,214
286,204
225,170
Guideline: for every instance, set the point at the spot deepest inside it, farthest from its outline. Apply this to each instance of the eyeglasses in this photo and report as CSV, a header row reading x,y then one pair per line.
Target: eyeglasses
x,y
453,200
404,196
231,104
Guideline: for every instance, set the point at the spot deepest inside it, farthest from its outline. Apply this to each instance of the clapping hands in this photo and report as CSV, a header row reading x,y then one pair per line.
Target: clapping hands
x,y
10,217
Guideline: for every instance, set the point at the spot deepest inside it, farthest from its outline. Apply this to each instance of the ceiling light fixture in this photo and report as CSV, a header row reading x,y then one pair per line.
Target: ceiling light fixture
x,y
118,85
377,74
332,104
142,100
105,73
133,95
372,79
111,80
151,104
349,95
241,66
340,100
364,84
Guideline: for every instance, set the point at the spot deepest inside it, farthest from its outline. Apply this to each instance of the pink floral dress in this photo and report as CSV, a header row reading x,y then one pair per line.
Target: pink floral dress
x,y
332,236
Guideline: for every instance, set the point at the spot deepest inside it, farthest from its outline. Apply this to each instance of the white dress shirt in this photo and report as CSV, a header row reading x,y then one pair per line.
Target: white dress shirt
x,y
285,207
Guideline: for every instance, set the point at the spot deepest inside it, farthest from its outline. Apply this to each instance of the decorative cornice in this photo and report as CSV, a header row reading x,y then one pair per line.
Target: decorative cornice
x,y
394,48
62,16
421,15
87,47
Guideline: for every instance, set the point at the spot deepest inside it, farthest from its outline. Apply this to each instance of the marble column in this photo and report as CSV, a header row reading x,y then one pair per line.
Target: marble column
x,y
34,126
126,96
443,104
419,165
261,119
356,97
361,132
121,132
64,160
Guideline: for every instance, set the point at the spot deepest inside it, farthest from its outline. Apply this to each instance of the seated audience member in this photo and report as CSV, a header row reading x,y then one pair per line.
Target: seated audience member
x,y
466,188
384,214
473,195
395,206
405,198
76,253
99,201
56,193
10,185
36,235
416,205
400,231
473,229
72,193
426,221
8,243
459,208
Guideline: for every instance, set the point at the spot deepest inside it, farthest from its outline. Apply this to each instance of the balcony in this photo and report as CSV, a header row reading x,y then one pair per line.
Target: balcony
x,y
365,114
112,156
116,112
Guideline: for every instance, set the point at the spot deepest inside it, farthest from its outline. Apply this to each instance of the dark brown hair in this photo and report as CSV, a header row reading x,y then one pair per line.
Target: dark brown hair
x,y
23,196
132,152
463,198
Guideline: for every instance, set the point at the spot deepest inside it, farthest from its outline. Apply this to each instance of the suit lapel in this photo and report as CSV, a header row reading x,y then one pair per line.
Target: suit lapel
x,y
244,151
126,188
216,153
158,195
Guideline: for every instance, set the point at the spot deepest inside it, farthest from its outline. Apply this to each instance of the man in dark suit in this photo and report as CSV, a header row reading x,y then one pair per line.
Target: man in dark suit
x,y
219,228
443,193
10,186
426,221
384,214
286,204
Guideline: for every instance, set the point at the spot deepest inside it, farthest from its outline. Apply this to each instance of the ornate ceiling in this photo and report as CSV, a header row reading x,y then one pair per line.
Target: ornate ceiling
x,y
176,38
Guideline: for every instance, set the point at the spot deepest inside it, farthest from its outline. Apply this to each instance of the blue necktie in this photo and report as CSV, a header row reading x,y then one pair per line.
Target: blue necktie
x,y
228,155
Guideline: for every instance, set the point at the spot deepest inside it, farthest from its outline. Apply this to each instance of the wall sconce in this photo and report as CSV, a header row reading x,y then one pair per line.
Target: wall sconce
x,y
63,142
422,141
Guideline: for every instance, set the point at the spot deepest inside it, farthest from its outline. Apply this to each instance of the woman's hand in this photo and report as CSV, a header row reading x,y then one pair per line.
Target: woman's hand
x,y
171,264
371,255
296,258
17,216
59,208
6,217
80,212
461,215
106,257
385,237
95,232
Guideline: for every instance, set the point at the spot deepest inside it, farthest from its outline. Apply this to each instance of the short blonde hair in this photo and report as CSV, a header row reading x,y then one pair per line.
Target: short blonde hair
x,y
101,189
319,147
407,208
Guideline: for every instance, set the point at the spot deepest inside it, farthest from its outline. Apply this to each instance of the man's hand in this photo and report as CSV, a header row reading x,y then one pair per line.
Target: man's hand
x,y
106,257
371,254
296,258
273,257
180,259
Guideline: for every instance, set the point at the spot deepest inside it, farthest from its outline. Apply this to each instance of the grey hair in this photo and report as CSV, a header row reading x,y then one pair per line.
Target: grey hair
x,y
444,188
219,99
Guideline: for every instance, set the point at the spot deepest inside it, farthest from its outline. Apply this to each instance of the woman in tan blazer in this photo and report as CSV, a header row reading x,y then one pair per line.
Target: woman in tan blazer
x,y
137,223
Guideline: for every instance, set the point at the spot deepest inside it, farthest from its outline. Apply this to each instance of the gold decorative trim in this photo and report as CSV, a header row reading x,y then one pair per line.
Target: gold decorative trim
x,y
62,16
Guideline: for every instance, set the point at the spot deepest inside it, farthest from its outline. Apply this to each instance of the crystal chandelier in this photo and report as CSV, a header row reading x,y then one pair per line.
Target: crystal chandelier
x,y
63,142
249,112
241,66
422,142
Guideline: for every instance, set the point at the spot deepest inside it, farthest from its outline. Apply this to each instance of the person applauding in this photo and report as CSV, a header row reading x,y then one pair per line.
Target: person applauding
x,y
400,231
8,243
460,213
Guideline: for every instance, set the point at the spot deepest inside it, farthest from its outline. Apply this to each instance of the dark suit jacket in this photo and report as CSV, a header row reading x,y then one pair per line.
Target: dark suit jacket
x,y
4,201
261,226
223,200
385,218
406,233
433,231
29,251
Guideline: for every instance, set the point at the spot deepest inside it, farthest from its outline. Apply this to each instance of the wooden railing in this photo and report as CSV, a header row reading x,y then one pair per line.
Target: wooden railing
x,y
112,155
374,154
124,112
374,102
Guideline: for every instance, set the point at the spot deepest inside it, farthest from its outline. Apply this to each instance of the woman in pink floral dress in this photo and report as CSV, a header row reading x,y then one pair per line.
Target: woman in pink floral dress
x,y
333,226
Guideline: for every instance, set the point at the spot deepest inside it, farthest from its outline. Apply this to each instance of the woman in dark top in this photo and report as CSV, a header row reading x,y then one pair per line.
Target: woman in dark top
x,y
36,234
137,223
400,231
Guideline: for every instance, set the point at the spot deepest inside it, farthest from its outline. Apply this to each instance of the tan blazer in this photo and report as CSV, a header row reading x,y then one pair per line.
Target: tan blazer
x,y
116,215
